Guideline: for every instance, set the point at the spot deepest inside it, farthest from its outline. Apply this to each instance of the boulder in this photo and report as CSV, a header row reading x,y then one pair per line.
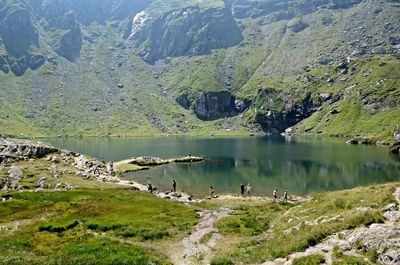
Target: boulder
x,y
395,148
41,181
14,175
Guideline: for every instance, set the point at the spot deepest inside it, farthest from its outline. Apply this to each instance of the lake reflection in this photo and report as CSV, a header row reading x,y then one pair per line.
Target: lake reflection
x,y
300,165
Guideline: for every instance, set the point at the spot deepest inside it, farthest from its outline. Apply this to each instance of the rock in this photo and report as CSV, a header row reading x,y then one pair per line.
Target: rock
x,y
25,148
390,257
334,111
41,181
14,175
240,105
58,187
184,101
289,131
377,236
325,96
390,207
120,86
396,136
395,148
392,215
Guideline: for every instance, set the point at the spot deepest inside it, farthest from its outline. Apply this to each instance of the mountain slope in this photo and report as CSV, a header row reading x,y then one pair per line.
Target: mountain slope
x,y
74,67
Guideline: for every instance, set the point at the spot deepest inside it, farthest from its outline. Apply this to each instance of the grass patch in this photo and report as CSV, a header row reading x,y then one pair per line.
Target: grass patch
x,y
62,240
309,260
248,221
309,223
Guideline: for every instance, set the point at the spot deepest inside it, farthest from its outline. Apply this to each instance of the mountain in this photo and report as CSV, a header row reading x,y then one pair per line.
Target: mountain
x,y
147,67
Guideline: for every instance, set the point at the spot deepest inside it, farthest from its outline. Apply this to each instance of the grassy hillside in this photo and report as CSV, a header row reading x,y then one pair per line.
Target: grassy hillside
x,y
87,73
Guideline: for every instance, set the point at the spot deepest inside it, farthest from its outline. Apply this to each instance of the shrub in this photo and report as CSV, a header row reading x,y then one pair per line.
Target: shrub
x,y
57,228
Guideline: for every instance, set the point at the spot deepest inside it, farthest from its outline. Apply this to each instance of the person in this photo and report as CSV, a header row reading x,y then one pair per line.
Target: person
x,y
211,192
242,189
111,168
275,195
174,185
190,154
96,169
248,188
285,196
150,187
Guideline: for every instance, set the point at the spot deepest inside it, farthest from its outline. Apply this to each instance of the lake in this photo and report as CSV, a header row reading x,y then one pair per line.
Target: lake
x,y
301,165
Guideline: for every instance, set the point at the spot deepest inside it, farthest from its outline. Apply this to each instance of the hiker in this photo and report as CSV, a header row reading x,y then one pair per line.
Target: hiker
x,y
96,169
242,189
211,192
190,154
111,168
248,188
285,196
150,187
174,185
274,194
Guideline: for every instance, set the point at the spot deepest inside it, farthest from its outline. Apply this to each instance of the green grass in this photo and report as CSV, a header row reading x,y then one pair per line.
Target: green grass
x,y
309,223
250,221
340,259
61,227
309,260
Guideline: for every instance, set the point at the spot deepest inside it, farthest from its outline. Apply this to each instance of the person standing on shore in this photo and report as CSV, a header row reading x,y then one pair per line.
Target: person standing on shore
x,y
274,194
150,187
285,196
248,188
211,192
174,185
242,189
111,168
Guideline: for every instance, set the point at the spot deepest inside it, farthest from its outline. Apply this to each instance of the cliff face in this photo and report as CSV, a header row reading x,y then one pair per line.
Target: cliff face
x,y
18,35
186,31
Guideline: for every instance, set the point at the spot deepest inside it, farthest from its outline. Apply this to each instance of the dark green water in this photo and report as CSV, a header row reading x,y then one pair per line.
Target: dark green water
x,y
300,165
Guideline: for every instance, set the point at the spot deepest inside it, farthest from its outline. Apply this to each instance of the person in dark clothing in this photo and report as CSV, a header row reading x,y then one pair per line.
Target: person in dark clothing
x,y
96,169
285,196
150,187
174,185
242,189
211,192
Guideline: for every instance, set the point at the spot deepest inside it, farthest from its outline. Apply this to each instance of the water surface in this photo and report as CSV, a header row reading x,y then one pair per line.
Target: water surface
x,y
300,165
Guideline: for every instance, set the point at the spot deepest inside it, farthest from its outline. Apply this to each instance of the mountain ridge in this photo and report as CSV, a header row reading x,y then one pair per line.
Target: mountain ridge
x,y
79,68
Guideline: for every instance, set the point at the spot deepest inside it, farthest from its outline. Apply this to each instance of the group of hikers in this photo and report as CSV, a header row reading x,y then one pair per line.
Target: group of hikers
x,y
244,190
100,169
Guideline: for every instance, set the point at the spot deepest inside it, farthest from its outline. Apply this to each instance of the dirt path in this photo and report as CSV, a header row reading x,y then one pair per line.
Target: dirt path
x,y
197,248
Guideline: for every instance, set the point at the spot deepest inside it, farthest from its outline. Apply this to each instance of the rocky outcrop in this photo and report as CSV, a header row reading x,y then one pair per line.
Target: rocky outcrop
x,y
278,10
215,105
294,110
63,28
18,35
187,31
184,101
24,148
395,147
